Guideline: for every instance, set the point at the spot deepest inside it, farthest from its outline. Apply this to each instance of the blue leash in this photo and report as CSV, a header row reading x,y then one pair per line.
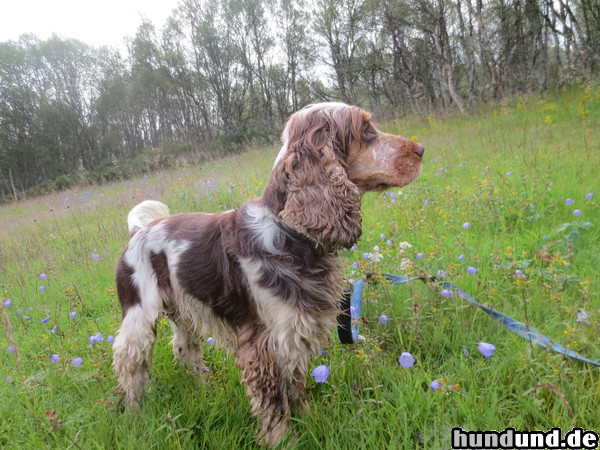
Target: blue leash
x,y
525,331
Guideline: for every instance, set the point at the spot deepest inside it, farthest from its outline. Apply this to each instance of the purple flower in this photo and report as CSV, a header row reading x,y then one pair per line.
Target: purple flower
x,y
95,256
366,255
471,270
508,174
577,212
53,330
19,311
210,341
466,225
441,273
110,339
54,358
583,316
435,385
388,242
466,352
354,247
43,276
320,373
589,196
96,338
382,236
72,314
355,265
518,272
406,360
426,202
9,380
383,319
46,320
461,257
11,349
570,201
446,293
7,302
486,349
76,362
419,255
42,288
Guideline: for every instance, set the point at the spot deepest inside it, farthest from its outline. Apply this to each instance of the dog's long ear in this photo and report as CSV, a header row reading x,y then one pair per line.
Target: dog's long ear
x,y
318,198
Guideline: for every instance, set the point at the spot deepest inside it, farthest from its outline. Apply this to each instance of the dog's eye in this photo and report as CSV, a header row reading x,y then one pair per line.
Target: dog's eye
x,y
369,134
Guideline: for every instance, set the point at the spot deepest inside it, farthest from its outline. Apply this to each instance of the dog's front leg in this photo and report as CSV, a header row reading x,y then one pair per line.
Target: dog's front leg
x,y
262,378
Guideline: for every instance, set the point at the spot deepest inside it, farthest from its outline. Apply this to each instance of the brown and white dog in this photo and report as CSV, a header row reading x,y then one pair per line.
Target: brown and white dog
x,y
263,279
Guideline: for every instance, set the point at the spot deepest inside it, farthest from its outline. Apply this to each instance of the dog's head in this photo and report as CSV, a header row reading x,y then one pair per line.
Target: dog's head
x,y
332,154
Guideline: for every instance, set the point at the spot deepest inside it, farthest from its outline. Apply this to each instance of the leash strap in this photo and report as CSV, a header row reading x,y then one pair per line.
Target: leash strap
x,y
354,313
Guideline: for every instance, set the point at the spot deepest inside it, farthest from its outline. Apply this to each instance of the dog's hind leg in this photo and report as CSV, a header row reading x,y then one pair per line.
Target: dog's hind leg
x,y
187,349
134,343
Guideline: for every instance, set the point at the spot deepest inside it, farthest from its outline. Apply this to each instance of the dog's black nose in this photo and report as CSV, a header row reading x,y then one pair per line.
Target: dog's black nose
x,y
419,150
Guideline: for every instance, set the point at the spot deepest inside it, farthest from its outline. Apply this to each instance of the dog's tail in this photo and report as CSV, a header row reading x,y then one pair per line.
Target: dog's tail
x,y
144,213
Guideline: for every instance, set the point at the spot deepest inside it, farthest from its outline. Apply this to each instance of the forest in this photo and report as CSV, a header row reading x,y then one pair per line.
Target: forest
x,y
221,74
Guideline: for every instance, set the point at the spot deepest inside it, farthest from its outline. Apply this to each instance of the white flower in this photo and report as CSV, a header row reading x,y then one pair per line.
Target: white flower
x,y
405,245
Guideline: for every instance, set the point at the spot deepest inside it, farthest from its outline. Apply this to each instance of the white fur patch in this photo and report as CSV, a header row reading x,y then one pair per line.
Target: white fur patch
x,y
144,213
262,224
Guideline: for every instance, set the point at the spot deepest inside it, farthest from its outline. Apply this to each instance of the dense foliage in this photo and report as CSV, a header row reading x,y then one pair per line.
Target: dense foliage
x,y
229,71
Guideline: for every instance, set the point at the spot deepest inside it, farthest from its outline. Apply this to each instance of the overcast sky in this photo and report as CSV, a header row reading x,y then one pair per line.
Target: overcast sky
x,y
95,22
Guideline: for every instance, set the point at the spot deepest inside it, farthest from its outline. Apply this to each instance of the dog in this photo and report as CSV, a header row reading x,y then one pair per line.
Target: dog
x,y
264,279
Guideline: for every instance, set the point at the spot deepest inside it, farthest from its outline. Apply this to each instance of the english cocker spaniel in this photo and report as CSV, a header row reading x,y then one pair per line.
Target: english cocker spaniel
x,y
264,279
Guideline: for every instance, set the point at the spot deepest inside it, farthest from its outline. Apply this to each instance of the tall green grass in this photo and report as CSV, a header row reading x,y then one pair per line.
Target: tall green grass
x,y
507,171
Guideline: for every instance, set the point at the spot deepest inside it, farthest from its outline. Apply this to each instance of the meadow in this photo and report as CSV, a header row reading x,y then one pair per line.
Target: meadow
x,y
506,207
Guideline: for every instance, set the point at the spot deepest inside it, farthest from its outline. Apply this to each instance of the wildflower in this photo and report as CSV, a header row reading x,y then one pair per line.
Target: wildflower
x,y
406,360
466,352
46,320
461,257
210,341
570,201
54,359
589,196
486,349
446,293
95,256
54,328
355,265
436,385
426,202
77,362
19,311
471,270
11,349
320,373
43,276
577,212
72,314
42,288
388,242
466,225
96,338
9,380
518,272
7,302
366,255
583,316
508,174
419,255
110,339
383,319
382,236
354,247
441,273
405,245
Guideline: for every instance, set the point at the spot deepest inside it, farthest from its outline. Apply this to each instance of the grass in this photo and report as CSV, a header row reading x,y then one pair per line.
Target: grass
x,y
507,171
